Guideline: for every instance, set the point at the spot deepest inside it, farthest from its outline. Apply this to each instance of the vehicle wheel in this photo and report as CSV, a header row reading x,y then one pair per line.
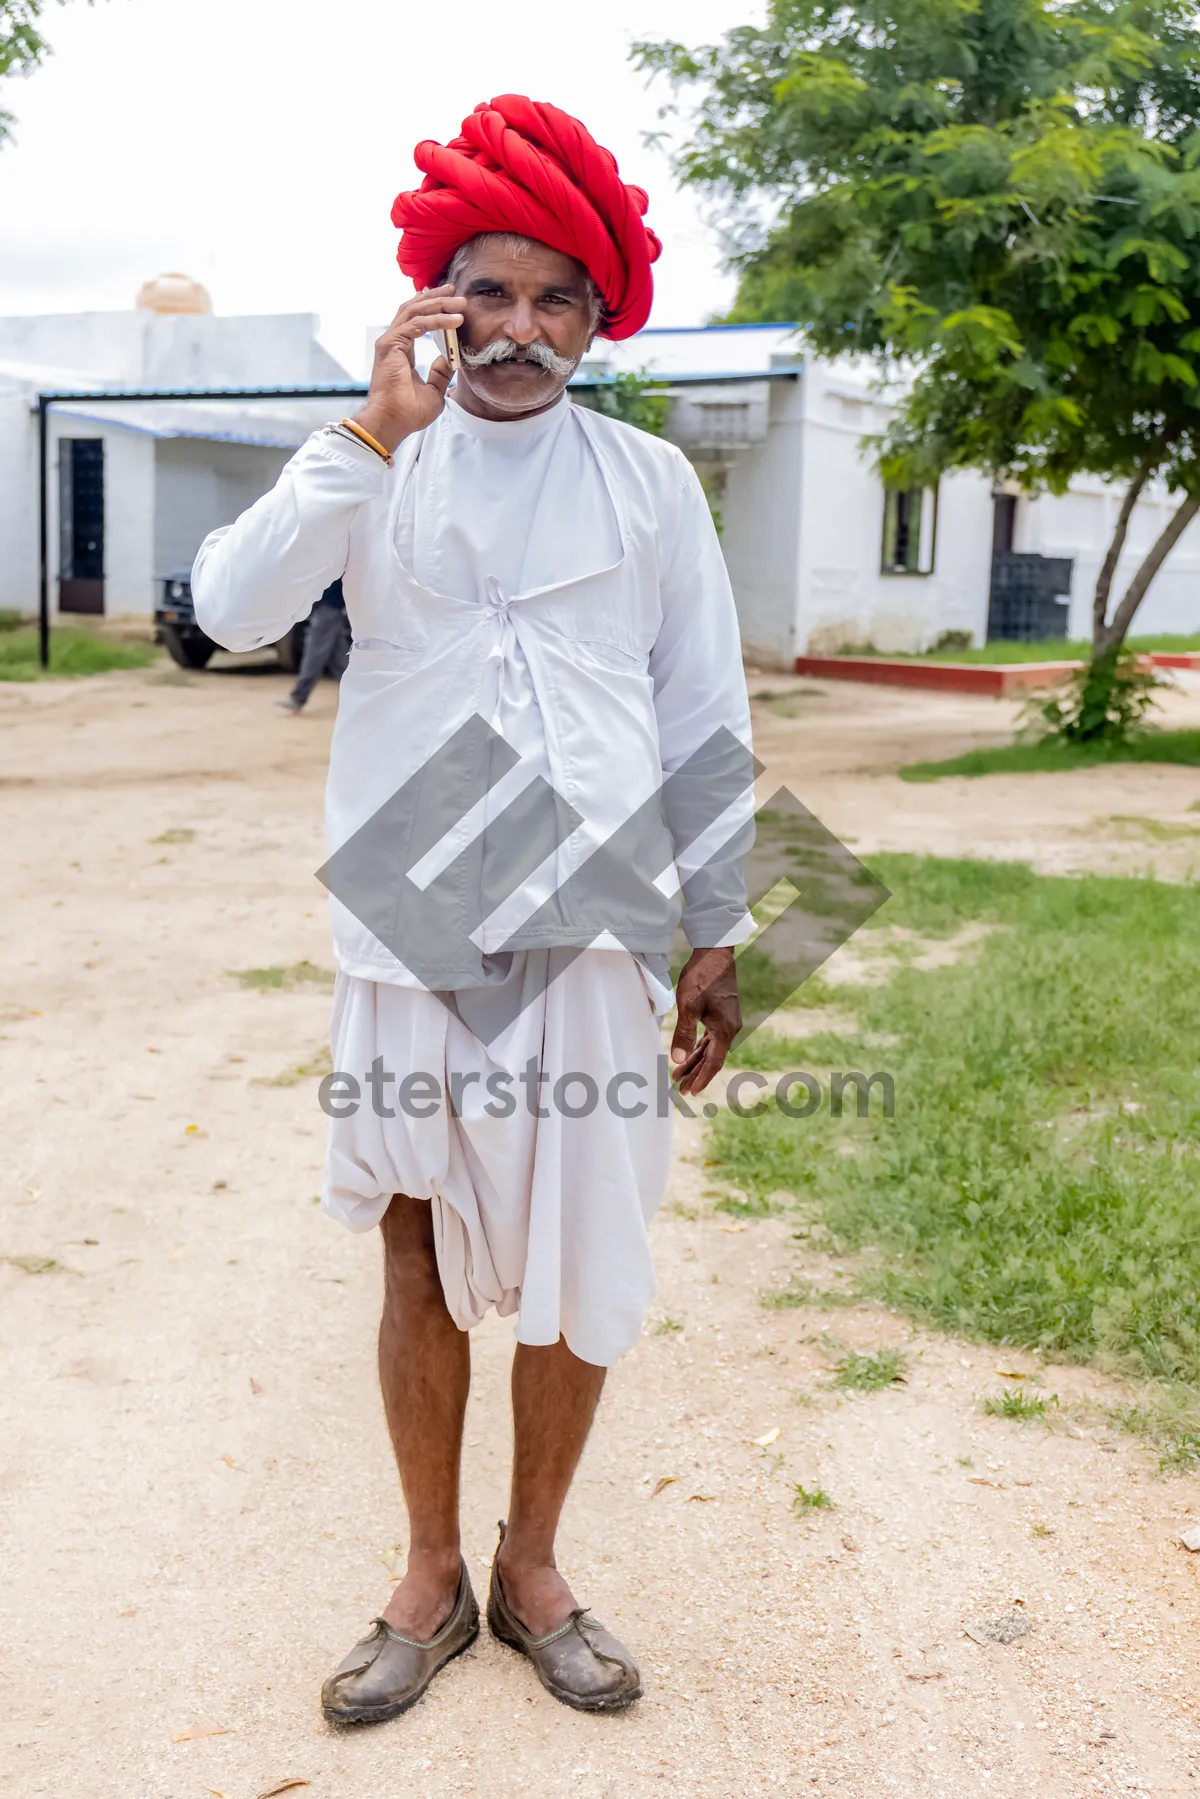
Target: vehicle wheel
x,y
191,649
290,648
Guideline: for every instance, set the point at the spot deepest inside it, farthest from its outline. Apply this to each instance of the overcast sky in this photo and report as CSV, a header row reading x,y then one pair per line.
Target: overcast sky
x,y
258,144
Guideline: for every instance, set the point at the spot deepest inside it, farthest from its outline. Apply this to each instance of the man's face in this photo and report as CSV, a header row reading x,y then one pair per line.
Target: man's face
x,y
537,297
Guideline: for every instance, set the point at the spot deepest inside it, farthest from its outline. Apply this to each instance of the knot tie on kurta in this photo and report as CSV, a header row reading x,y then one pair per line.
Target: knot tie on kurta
x,y
495,597
497,604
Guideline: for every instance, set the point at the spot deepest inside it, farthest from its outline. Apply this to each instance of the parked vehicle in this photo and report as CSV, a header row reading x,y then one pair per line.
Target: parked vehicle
x,y
175,627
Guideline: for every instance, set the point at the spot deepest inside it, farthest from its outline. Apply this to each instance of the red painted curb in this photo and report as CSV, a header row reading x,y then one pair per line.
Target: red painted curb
x,y
1175,658
941,677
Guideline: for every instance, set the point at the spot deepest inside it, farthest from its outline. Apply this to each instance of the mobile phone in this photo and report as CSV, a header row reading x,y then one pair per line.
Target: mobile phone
x,y
449,339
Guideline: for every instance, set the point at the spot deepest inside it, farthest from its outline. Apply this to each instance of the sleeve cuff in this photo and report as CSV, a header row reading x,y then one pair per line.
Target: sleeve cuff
x,y
718,927
368,468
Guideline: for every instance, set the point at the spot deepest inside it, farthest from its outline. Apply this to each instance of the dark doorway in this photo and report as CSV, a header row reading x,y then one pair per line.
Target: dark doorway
x,y
1004,517
81,524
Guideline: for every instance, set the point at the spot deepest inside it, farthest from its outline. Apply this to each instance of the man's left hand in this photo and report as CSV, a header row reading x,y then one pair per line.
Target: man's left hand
x,y
706,994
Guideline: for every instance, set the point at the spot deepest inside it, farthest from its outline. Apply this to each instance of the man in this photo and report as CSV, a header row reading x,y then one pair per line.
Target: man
x,y
326,647
544,587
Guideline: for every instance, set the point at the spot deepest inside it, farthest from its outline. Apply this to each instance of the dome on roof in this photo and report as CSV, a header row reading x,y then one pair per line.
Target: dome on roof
x,y
173,293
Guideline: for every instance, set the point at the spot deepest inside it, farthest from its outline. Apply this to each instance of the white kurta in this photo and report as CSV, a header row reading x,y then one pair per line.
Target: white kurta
x,y
472,523
544,533
636,667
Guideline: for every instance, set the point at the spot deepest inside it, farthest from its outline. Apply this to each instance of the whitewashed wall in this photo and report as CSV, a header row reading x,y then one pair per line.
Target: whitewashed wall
x,y
128,520
804,519
129,507
162,497
1079,524
844,597
200,485
147,349
18,500
761,530
129,516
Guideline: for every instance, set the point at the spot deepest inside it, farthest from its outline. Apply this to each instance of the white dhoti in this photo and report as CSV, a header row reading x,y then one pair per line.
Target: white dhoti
x,y
545,1216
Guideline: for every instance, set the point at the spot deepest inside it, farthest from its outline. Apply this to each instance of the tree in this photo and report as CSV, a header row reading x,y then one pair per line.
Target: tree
x,y
1002,197
632,396
22,46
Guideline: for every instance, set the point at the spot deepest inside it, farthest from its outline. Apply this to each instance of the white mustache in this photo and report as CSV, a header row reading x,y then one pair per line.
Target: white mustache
x,y
505,349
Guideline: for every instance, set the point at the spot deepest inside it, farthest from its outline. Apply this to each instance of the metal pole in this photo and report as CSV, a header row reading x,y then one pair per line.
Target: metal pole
x,y
43,540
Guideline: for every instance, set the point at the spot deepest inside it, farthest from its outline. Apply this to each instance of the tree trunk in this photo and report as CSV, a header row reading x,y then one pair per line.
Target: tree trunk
x,y
1108,567
1110,636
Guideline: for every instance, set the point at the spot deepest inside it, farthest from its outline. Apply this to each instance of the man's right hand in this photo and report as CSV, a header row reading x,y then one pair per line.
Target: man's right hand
x,y
399,402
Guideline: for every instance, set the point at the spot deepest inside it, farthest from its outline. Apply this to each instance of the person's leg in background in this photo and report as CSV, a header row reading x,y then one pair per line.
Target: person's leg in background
x,y
325,629
339,654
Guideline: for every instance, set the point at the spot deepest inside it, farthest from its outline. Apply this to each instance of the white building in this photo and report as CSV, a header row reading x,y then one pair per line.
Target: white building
x,y
822,559
133,489
820,556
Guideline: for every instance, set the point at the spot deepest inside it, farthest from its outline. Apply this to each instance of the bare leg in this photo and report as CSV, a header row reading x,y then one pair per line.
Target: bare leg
x,y
424,1371
554,1398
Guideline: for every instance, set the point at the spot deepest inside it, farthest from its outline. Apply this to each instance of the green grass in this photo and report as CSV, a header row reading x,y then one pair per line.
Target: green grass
x,y
1171,642
72,652
1054,649
319,1063
800,1292
1038,1183
1053,756
1014,1404
268,979
1170,1418
810,1499
34,1264
1155,828
789,703
869,1373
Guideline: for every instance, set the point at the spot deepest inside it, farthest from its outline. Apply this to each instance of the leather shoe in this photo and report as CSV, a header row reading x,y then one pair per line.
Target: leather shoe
x,y
580,1663
387,1672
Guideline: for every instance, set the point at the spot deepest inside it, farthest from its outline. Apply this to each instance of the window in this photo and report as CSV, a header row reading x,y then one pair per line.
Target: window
x,y
909,530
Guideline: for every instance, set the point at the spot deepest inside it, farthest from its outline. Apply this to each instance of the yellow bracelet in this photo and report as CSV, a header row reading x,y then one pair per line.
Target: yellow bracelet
x,y
372,443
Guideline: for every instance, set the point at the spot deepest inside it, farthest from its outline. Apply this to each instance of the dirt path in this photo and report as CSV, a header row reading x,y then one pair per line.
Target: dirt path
x,y
195,1489
841,745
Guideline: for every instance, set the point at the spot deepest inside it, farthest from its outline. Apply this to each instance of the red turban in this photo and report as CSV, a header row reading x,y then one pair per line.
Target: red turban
x,y
523,166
